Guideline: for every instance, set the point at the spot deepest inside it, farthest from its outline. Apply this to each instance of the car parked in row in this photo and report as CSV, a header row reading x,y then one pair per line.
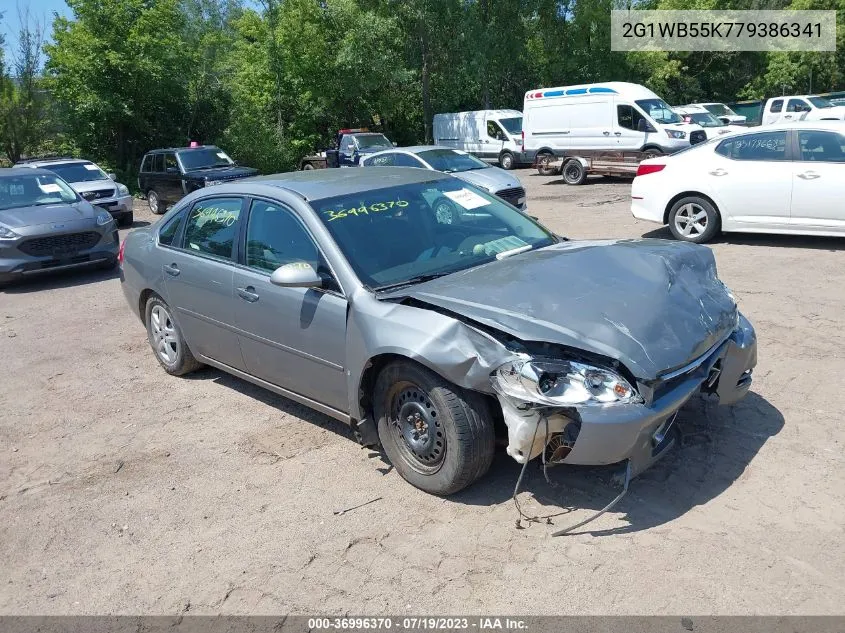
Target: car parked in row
x,y
801,108
167,175
46,226
712,126
91,182
721,112
458,163
785,178
346,291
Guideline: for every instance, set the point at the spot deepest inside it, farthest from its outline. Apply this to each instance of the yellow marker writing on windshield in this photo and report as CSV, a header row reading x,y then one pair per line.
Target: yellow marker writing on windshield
x,y
376,207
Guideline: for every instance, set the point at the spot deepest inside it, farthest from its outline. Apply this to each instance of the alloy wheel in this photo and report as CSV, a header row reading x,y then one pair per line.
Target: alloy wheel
x,y
691,220
165,338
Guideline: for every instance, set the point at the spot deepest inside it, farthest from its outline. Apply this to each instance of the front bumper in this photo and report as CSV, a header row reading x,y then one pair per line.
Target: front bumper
x,y
638,432
118,207
15,264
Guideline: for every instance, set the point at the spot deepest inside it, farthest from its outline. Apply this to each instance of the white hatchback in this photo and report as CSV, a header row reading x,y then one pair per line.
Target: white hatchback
x,y
786,178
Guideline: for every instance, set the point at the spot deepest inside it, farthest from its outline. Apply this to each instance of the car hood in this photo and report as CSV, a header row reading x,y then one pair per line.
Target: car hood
x,y
651,304
223,173
492,179
46,214
682,127
93,185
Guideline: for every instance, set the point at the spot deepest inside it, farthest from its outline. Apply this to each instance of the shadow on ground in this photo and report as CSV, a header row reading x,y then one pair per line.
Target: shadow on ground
x,y
61,279
716,444
831,244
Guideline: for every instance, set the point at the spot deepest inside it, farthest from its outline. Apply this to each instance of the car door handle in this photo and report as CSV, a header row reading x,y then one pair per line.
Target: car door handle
x,y
787,116
606,133
809,175
172,270
618,133
248,294
719,172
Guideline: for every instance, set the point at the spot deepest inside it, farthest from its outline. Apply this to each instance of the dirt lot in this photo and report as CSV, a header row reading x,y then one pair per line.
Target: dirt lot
x,y
124,490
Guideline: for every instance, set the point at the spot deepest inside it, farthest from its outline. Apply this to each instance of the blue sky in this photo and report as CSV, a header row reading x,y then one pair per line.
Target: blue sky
x,y
41,10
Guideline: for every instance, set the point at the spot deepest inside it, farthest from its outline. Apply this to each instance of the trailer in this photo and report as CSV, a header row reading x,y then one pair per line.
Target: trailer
x,y
575,166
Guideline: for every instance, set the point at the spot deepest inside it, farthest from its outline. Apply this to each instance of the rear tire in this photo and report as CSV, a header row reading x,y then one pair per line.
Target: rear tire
x,y
507,161
156,205
307,167
694,219
439,437
165,337
653,152
546,171
574,172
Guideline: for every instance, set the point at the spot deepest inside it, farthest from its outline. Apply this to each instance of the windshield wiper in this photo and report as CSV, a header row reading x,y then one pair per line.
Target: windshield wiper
x,y
411,281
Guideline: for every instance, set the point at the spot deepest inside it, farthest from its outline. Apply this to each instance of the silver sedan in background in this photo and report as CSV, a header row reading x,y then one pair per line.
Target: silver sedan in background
x,y
457,163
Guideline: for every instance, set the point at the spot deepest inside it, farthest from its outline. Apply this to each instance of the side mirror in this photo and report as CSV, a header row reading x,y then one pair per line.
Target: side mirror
x,y
296,275
113,176
395,144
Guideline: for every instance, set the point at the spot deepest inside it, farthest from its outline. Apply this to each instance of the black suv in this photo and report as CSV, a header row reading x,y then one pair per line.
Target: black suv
x,y
169,174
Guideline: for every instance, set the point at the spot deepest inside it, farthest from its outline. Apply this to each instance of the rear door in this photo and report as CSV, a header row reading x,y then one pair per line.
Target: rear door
x,y
750,176
818,186
773,112
796,110
198,278
294,338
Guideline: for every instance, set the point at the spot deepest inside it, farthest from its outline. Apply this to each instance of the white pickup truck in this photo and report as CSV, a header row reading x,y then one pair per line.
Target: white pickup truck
x,y
801,108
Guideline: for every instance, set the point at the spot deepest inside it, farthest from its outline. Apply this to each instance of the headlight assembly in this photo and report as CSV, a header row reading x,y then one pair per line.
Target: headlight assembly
x,y
122,190
7,234
103,218
561,383
676,134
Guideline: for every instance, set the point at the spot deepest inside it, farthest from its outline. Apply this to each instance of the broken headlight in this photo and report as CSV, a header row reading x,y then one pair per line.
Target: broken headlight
x,y
561,383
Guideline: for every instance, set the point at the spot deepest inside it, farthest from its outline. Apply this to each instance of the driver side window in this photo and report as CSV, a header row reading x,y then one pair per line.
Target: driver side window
x,y
494,131
630,118
274,237
797,105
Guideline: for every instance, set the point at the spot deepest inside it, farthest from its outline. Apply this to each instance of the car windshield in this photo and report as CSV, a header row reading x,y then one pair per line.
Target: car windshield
x,y
820,102
513,126
78,172
368,141
408,233
33,190
659,110
450,160
719,109
704,119
204,157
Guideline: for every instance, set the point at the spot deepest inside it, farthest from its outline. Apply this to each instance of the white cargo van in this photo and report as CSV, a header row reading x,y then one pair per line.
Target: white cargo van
x,y
494,136
602,117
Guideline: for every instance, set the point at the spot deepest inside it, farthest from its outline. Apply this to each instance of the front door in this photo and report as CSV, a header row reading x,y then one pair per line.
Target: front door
x,y
294,338
751,178
173,191
818,185
493,141
198,279
630,133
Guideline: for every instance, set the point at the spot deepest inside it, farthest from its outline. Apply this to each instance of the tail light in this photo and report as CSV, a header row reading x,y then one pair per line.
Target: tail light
x,y
648,168
120,251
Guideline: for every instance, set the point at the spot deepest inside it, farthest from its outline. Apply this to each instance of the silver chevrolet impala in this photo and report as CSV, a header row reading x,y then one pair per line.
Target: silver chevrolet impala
x,y
429,334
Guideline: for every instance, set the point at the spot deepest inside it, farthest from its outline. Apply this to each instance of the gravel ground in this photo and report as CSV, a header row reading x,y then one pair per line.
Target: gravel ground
x,y
124,490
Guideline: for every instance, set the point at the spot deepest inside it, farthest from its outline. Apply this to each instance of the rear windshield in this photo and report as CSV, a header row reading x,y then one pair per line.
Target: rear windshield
x,y
719,109
34,190
204,158
78,172
367,141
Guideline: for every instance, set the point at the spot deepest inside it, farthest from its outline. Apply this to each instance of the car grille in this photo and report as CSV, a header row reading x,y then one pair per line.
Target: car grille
x,y
699,136
512,195
60,245
96,194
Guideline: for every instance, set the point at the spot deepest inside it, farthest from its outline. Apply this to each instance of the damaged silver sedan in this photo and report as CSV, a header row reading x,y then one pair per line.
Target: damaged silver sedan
x,y
433,317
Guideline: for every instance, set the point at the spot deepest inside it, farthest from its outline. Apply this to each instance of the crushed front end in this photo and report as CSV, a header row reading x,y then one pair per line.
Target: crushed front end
x,y
581,412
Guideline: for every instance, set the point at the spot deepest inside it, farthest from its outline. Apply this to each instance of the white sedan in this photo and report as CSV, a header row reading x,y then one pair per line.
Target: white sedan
x,y
788,178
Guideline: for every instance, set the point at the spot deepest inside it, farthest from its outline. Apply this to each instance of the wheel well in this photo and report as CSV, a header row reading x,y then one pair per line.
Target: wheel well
x,y
142,303
684,195
648,147
377,363
545,150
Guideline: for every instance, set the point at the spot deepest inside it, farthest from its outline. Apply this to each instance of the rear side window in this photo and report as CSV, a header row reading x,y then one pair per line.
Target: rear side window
x,y
158,162
170,162
403,160
168,232
762,146
212,227
146,162
777,105
382,160
828,147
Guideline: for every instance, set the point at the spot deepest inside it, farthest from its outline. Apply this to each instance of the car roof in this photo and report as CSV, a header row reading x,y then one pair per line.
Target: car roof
x,y
414,149
692,109
317,184
834,126
180,149
17,172
56,160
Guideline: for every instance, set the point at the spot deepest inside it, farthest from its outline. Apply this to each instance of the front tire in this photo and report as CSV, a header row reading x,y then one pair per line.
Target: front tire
x,y
307,167
653,152
574,172
165,337
156,205
439,437
507,161
694,219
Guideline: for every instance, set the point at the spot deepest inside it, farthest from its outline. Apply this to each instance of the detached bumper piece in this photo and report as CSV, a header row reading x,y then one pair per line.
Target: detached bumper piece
x,y
639,432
